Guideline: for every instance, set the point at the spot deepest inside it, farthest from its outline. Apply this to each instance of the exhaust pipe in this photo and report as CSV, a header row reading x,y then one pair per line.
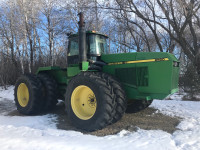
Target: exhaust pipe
x,y
82,39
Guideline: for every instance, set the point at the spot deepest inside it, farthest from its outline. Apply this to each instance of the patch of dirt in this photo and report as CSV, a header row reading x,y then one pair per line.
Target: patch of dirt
x,y
148,119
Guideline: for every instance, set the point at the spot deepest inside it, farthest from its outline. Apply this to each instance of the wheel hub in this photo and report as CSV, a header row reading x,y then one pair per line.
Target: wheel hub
x,y
83,102
23,95
92,101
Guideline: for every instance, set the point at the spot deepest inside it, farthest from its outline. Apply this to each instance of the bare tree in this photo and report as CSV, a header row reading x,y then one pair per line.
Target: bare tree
x,y
176,18
29,10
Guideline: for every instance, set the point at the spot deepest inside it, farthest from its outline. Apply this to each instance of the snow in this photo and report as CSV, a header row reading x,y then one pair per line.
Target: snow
x,y
41,133
28,138
188,137
176,96
8,94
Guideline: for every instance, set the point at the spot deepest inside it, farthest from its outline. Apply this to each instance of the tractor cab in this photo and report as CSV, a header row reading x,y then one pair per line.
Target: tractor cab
x,y
96,45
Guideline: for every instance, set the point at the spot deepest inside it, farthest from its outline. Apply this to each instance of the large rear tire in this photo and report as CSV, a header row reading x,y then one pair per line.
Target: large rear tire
x,y
90,101
138,105
50,91
28,95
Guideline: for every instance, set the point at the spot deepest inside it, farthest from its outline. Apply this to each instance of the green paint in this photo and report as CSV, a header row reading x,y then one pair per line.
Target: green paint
x,y
60,75
146,80
85,66
72,71
42,69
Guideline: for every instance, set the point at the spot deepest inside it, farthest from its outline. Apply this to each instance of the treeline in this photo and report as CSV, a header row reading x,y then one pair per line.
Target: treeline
x,y
33,33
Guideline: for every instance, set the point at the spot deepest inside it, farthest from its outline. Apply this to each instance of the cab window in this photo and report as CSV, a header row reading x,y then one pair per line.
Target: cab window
x,y
73,47
97,44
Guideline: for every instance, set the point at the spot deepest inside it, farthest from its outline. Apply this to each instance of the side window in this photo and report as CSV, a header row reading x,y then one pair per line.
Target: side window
x,y
92,40
73,47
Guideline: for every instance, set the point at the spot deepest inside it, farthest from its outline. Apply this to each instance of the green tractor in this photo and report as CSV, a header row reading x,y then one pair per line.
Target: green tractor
x,y
98,87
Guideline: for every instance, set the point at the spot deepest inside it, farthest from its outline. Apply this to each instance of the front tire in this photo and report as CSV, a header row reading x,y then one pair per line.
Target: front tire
x,y
89,101
28,95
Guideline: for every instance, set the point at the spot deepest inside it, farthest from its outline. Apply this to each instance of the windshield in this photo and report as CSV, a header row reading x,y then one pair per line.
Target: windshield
x,y
97,44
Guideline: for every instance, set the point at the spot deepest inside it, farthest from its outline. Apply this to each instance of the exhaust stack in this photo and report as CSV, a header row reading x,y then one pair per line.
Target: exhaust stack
x,y
82,39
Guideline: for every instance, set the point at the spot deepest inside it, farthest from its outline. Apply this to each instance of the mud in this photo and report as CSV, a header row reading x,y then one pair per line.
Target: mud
x,y
148,119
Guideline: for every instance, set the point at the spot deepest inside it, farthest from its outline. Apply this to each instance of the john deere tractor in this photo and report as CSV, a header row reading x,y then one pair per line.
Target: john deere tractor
x,y
98,87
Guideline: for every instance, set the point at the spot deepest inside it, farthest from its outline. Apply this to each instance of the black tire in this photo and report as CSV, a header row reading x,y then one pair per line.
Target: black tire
x,y
50,91
138,105
120,97
34,87
104,97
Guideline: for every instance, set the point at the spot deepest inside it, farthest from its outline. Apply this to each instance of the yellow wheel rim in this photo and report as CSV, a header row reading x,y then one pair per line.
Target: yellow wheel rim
x,y
83,102
23,95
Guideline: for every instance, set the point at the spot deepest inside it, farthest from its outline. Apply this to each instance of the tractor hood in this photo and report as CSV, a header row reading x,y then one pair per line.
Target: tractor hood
x,y
144,75
140,57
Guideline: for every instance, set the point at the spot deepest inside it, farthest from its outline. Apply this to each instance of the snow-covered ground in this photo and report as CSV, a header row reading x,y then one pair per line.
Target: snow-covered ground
x,y
40,132
7,93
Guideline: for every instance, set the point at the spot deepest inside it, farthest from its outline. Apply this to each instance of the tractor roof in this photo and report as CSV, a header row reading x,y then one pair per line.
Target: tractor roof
x,y
89,32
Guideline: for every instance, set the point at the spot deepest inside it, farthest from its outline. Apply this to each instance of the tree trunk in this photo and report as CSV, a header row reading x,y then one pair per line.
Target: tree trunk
x,y
197,64
31,56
